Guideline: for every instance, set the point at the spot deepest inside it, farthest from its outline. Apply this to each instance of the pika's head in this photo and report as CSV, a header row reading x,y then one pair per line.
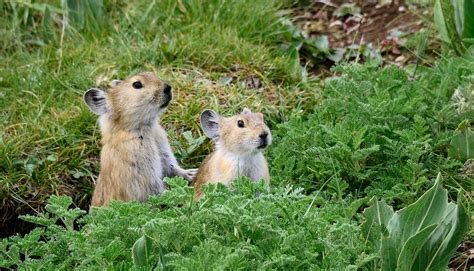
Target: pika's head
x,y
241,134
132,102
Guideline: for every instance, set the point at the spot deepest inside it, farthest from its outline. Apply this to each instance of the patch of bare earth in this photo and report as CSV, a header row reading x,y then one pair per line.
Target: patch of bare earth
x,y
380,26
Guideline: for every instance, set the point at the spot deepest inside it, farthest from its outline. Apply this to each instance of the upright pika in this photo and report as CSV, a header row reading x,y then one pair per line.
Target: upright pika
x,y
135,155
239,142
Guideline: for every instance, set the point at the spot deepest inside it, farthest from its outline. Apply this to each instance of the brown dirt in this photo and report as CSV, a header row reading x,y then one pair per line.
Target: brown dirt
x,y
376,26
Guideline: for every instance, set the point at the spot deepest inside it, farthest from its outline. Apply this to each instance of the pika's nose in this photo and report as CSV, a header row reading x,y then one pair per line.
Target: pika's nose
x,y
263,135
167,90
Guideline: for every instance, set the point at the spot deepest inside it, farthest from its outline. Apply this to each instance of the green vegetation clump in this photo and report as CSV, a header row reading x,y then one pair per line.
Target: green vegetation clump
x,y
248,227
234,230
377,132
369,131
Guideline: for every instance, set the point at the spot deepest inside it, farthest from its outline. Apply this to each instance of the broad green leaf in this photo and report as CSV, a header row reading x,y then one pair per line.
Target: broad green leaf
x,y
444,19
440,22
431,209
347,9
336,55
321,42
468,22
141,251
294,62
444,241
412,247
377,217
458,8
462,145
294,58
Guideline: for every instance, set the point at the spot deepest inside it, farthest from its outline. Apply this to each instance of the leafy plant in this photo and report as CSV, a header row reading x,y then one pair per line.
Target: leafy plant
x,y
183,152
347,9
141,251
376,129
227,229
421,236
58,209
454,21
314,50
462,144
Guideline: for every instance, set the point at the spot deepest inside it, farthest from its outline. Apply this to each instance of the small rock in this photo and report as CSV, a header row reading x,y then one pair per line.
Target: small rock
x,y
467,169
336,23
252,82
102,80
400,59
226,80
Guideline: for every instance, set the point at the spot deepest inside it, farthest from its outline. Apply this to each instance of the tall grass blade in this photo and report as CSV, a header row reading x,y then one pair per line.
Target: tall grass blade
x,y
444,19
468,27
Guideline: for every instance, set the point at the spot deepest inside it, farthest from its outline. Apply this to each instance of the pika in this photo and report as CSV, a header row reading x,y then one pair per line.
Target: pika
x,y
136,154
239,142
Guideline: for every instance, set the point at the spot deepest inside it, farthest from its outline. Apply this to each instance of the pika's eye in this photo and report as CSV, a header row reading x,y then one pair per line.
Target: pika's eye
x,y
240,123
137,84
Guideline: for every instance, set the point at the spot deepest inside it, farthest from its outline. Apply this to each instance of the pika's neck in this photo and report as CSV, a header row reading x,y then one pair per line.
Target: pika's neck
x,y
239,157
110,129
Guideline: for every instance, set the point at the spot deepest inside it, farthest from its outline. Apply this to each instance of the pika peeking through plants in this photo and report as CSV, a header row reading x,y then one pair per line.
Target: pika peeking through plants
x,y
239,142
136,154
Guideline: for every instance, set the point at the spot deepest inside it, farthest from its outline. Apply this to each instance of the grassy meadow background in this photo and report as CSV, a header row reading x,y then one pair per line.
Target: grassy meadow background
x,y
51,141
369,131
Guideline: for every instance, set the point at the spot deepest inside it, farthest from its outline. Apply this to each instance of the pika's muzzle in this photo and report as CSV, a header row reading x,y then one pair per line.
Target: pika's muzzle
x,y
168,95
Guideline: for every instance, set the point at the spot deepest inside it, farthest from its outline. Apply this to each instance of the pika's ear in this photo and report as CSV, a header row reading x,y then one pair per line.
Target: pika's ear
x,y
245,111
95,100
115,82
210,123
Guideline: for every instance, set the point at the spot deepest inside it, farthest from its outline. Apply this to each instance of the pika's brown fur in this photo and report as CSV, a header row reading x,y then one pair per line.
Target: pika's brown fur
x,y
239,142
135,155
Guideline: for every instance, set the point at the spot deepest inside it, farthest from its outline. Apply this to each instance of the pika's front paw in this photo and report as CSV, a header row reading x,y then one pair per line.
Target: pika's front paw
x,y
189,174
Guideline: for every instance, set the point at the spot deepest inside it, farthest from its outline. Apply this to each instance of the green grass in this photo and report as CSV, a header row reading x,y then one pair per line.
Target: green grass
x,y
51,141
371,131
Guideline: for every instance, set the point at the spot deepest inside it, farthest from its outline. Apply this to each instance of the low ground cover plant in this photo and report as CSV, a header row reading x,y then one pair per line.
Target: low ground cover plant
x,y
225,230
368,138
239,230
317,227
378,132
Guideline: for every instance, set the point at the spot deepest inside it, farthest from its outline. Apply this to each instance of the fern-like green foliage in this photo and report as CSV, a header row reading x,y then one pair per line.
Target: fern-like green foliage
x,y
247,228
377,132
